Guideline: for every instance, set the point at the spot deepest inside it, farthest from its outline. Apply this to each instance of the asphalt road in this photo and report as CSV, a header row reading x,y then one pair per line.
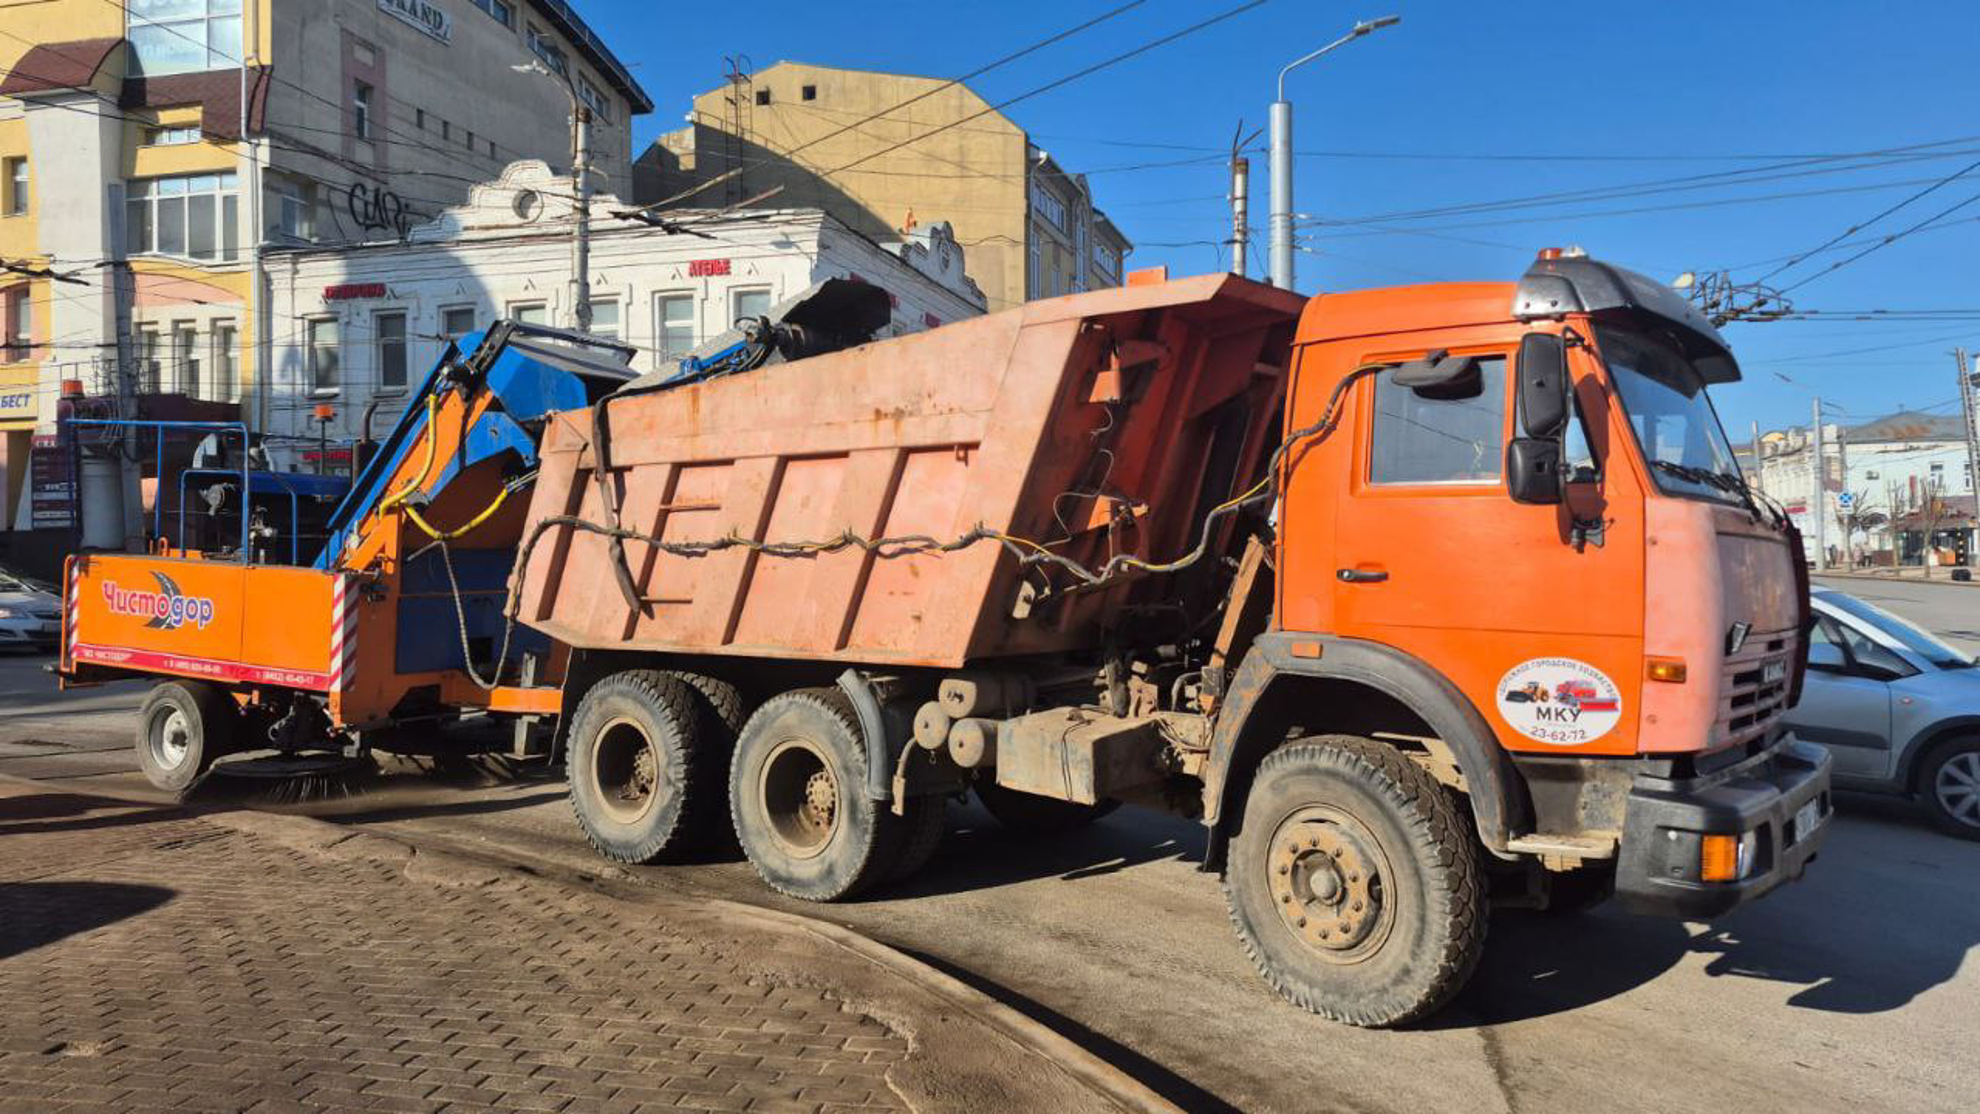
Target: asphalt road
x,y
1854,990
1950,610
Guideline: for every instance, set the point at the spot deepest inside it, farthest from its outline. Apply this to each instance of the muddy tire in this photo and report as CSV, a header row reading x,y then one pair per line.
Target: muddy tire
x,y
1030,814
797,794
639,784
182,727
1354,883
719,718
927,823
1949,787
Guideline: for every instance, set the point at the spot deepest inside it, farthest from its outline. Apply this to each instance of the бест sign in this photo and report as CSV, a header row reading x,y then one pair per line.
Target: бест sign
x,y
429,18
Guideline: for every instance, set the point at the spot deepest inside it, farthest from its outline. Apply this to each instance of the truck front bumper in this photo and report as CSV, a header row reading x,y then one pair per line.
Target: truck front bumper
x,y
1776,802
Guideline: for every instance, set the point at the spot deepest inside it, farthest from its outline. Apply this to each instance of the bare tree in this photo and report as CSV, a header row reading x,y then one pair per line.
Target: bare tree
x,y
1932,510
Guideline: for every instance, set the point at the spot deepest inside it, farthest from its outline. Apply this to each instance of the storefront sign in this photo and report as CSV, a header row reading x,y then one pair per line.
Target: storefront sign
x,y
17,402
431,20
351,291
52,493
707,268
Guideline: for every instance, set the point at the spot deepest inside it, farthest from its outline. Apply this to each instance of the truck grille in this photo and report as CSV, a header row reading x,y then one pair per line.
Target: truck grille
x,y
1756,689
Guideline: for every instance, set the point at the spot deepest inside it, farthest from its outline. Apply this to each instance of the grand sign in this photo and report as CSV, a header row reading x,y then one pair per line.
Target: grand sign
x,y
431,20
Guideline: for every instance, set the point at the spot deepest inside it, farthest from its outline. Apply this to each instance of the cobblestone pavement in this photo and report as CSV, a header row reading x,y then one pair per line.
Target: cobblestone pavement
x,y
151,959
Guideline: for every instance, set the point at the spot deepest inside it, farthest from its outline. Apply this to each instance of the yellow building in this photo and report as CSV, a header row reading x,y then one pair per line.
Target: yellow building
x,y
881,151
133,213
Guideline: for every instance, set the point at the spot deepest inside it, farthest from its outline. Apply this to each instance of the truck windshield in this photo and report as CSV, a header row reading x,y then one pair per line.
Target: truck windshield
x,y
1675,424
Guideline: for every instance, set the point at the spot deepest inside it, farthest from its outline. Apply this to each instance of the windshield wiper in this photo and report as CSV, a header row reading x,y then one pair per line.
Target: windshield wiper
x,y
1729,482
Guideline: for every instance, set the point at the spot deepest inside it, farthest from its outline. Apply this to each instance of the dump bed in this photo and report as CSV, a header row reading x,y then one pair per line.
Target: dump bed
x,y
1092,425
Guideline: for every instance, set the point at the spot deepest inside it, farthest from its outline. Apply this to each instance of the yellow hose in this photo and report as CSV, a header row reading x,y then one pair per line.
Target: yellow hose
x,y
425,470
487,512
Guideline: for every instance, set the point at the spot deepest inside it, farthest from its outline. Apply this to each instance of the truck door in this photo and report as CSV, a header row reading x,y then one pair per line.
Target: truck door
x,y
1432,556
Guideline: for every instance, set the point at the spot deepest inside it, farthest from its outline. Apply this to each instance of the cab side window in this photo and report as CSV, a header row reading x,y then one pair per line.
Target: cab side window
x,y
1424,439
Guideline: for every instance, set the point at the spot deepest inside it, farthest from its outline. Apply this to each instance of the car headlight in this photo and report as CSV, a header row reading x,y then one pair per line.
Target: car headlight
x,y
12,613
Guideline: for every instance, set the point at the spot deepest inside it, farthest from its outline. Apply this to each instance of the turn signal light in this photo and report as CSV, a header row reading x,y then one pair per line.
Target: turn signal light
x,y
1668,670
1718,858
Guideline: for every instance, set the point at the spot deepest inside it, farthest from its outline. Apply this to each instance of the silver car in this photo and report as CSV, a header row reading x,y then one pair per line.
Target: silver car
x,y
1897,707
30,613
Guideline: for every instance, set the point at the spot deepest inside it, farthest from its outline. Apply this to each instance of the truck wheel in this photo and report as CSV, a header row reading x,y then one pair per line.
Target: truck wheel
x,y
634,766
719,719
1355,884
182,727
927,823
797,792
1030,814
1949,787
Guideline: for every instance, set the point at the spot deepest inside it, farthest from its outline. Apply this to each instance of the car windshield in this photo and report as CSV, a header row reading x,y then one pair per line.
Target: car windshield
x,y
1675,424
1906,633
11,581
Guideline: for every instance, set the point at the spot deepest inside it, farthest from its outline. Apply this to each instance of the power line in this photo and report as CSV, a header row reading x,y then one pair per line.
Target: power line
x,y
1854,228
1883,243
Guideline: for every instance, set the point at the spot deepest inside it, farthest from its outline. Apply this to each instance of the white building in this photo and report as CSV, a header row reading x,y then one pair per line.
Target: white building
x,y
1878,477
366,322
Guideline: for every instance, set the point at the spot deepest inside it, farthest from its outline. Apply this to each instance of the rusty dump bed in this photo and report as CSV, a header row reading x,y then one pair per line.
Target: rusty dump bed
x,y
1094,424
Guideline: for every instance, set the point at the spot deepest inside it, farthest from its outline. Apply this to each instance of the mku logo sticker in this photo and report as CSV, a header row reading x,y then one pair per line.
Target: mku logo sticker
x,y
1559,700
168,608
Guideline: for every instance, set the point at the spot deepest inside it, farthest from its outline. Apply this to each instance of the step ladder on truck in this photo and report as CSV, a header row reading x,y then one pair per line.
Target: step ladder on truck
x,y
1290,567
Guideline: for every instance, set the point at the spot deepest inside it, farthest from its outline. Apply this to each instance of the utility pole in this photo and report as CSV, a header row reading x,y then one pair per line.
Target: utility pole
x,y
1759,462
1240,200
581,236
1281,217
1843,521
1818,506
1970,407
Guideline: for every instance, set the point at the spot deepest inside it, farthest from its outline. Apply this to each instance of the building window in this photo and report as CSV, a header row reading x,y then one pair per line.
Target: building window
x,y
1108,259
457,321
540,44
171,137
390,329
446,130
150,378
225,361
1418,440
185,358
1048,205
600,104
196,216
753,301
809,92
292,208
497,10
1869,475
605,319
1034,263
361,110
20,323
320,350
673,316
17,186
182,36
491,148
419,119
763,96
530,313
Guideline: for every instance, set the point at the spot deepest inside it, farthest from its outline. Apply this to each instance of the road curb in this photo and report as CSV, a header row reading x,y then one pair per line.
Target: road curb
x,y
438,866
1881,578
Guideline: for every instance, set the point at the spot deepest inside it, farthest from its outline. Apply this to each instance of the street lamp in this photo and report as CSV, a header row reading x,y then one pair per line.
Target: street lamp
x,y
581,193
1281,158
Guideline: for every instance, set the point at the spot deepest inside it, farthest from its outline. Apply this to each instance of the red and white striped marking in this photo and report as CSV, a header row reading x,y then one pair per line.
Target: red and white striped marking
x,y
71,611
343,634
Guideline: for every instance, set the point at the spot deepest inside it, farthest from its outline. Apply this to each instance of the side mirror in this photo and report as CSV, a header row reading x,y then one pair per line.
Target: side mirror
x,y
1543,385
1534,459
1827,657
1533,470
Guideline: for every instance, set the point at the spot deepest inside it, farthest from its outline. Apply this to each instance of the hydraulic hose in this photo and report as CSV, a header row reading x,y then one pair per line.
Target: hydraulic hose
x,y
426,469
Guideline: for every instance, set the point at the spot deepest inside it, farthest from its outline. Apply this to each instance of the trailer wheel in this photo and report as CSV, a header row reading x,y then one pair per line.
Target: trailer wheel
x,y
797,792
1354,883
182,727
1030,814
636,777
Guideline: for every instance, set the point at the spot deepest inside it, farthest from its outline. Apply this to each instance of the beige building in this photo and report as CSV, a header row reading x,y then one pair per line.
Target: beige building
x,y
883,152
151,153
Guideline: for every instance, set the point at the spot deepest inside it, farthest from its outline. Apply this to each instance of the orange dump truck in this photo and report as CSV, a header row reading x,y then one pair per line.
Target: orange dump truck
x,y
1419,598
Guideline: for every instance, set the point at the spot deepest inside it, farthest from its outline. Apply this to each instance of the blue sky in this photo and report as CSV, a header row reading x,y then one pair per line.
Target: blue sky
x,y
1489,102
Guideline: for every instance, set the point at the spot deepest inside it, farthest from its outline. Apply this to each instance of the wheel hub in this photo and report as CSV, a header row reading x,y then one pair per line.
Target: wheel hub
x,y
171,738
1327,885
821,799
1958,788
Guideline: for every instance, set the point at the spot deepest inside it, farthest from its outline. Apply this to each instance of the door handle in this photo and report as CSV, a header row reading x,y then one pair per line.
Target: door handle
x,y
1361,576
